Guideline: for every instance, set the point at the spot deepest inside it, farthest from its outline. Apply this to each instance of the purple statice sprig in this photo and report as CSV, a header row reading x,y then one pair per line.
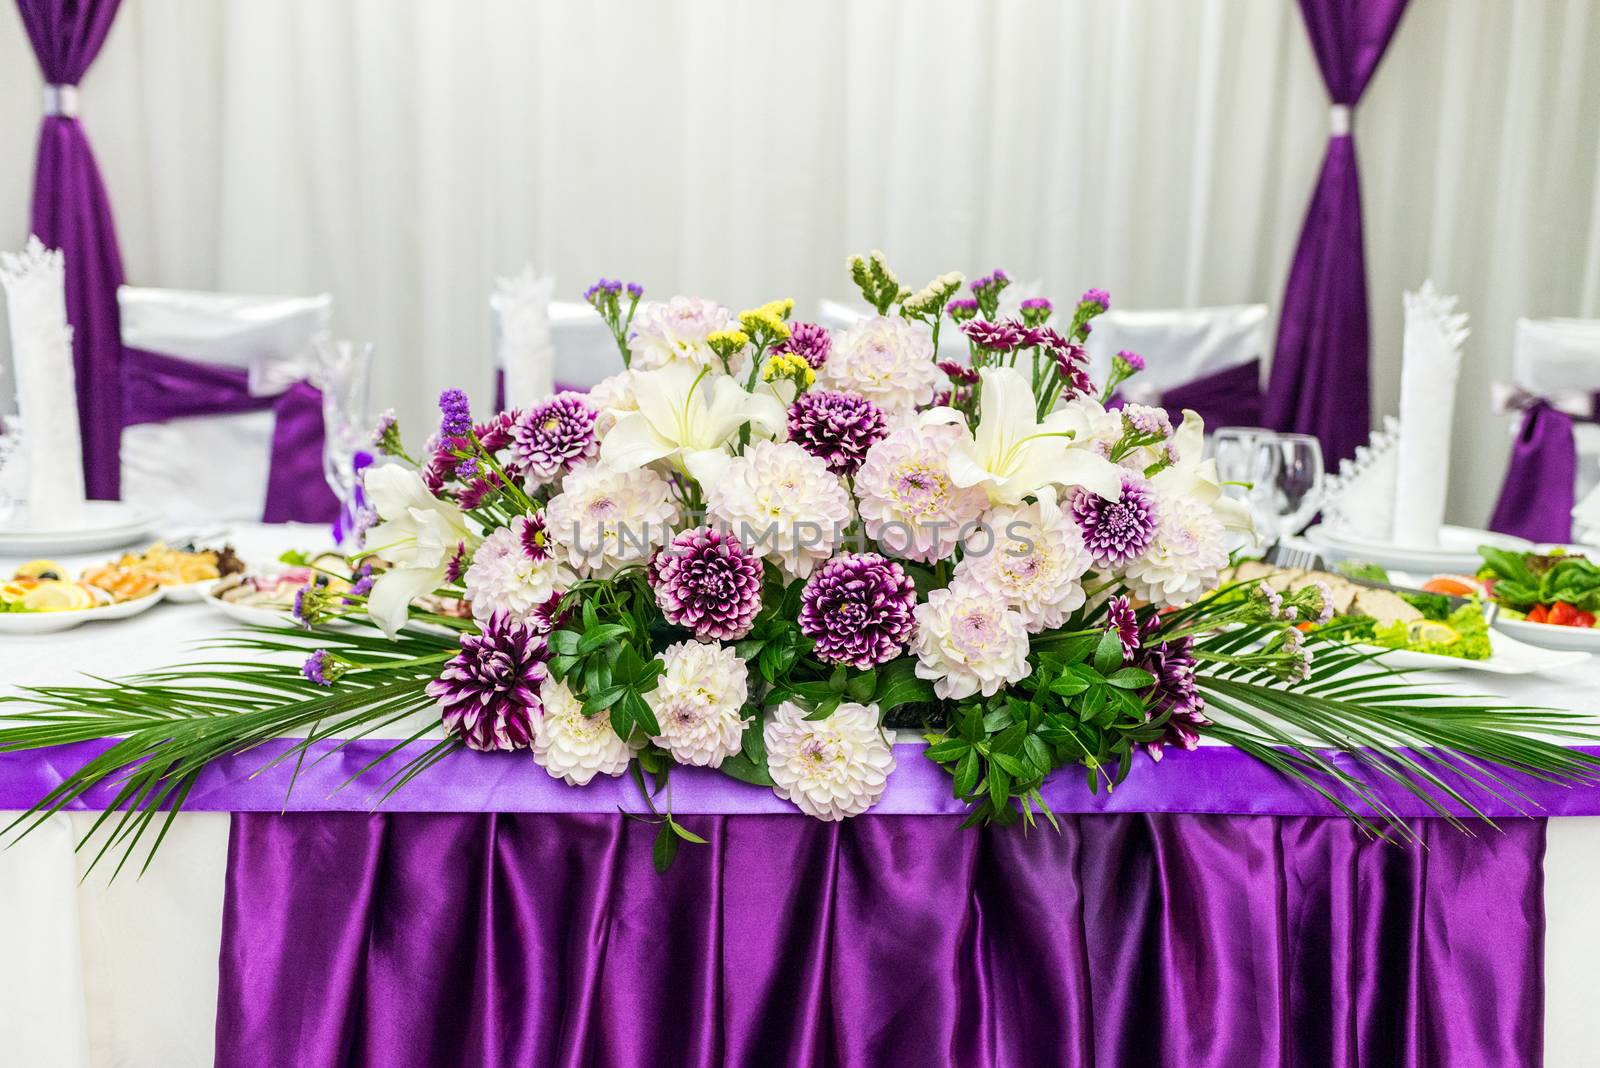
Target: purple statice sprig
x,y
455,412
1036,311
1093,302
313,603
323,668
1142,427
1124,365
606,297
962,311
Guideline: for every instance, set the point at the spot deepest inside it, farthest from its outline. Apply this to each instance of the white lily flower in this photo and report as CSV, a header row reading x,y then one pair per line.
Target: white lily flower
x,y
1013,454
418,536
1197,477
688,417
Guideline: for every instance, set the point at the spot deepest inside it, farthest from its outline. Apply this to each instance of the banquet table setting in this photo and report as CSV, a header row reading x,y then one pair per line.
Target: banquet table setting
x,y
1042,560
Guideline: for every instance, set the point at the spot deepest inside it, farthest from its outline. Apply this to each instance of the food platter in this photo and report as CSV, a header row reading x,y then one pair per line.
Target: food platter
x,y
55,622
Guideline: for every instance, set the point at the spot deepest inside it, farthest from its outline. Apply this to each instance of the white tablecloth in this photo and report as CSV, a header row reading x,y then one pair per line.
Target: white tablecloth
x,y
125,974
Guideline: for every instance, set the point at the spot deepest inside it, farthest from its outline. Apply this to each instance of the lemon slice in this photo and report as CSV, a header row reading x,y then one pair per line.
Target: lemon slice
x,y
1432,632
51,596
41,569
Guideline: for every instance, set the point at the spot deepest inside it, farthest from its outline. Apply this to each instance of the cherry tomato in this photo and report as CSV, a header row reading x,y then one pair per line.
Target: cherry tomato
x,y
1585,619
1539,614
1562,614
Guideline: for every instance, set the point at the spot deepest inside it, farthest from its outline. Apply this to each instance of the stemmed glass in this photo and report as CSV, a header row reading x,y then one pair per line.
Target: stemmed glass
x,y
1285,483
344,375
1234,449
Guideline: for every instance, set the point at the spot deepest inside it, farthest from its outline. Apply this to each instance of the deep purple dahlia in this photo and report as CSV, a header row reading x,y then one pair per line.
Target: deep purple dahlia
x,y
490,689
549,439
1116,532
809,341
858,609
836,428
707,581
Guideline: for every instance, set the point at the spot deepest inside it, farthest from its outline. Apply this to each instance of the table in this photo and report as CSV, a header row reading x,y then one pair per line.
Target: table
x,y
126,973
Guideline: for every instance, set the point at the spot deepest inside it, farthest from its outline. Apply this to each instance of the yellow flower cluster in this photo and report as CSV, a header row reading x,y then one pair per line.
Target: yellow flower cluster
x,y
727,342
767,321
789,365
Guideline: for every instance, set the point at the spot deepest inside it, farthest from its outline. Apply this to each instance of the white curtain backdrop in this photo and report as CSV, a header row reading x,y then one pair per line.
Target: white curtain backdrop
x,y
399,154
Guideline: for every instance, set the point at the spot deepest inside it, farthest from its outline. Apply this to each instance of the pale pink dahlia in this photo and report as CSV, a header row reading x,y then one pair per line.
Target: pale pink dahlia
x,y
909,503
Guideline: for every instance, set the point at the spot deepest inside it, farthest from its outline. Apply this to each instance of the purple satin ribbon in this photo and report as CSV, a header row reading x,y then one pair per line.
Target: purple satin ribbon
x,y
1230,397
1540,487
159,388
1212,779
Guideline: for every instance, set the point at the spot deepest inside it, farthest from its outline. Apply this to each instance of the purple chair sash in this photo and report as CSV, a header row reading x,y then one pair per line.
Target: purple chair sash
x,y
500,389
1540,488
1230,397
158,388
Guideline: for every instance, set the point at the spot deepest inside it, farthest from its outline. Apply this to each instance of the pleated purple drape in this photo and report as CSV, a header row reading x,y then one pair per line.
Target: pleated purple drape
x,y
71,213
1319,370
1228,941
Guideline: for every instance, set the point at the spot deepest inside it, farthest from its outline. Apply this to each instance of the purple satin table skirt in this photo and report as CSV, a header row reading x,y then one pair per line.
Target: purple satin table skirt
x,y
1126,940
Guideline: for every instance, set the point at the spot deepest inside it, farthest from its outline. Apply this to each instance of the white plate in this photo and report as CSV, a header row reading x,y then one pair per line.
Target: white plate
x,y
1509,657
1550,636
1457,550
52,622
189,592
106,525
254,615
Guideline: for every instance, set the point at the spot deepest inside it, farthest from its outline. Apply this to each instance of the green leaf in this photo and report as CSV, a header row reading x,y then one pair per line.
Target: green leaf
x,y
966,773
898,685
596,637
740,766
947,750
838,678
638,709
665,848
1038,754
1069,685
1130,678
997,721
1013,765
683,832
1108,654
861,688
825,707
999,787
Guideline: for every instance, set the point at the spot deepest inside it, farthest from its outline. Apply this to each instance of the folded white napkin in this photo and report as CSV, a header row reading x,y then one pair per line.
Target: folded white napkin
x,y
1360,500
41,352
523,346
1431,363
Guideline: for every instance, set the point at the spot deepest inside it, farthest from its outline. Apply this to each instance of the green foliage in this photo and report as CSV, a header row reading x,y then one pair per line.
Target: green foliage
x,y
1524,580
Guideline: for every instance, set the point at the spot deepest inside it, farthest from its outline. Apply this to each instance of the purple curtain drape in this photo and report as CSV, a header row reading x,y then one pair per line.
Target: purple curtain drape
x,y
1229,941
1540,487
1319,370
162,387
71,213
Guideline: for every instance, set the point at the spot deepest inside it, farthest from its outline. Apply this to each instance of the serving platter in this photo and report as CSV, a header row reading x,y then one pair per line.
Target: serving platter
x,y
54,622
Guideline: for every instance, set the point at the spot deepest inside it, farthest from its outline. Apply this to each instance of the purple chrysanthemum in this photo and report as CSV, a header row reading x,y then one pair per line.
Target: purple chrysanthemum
x,y
953,398
1116,532
490,689
859,610
496,433
455,414
549,439
474,493
837,428
707,581
1097,298
1172,663
1002,336
1122,617
994,281
958,373
809,341
456,566
1071,362
1036,310
1131,359
962,310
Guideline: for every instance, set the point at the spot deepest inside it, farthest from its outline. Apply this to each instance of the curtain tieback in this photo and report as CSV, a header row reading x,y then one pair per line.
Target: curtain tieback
x,y
1507,398
1339,120
61,100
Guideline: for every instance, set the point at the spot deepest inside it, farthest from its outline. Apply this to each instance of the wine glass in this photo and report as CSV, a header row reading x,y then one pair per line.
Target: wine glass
x,y
1234,449
344,374
1285,483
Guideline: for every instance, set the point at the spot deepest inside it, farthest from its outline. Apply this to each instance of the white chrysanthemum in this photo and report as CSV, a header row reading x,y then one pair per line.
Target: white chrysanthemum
x,y
505,577
697,703
1186,556
1032,558
783,503
969,642
613,398
909,501
604,519
830,768
888,361
670,331
572,746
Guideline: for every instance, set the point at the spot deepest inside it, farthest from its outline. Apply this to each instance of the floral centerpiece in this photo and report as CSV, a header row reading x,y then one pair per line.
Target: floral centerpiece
x,y
770,550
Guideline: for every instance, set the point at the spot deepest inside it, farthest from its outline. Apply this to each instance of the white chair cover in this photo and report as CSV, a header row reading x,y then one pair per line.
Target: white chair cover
x,y
1559,357
585,352
214,468
524,350
1178,345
